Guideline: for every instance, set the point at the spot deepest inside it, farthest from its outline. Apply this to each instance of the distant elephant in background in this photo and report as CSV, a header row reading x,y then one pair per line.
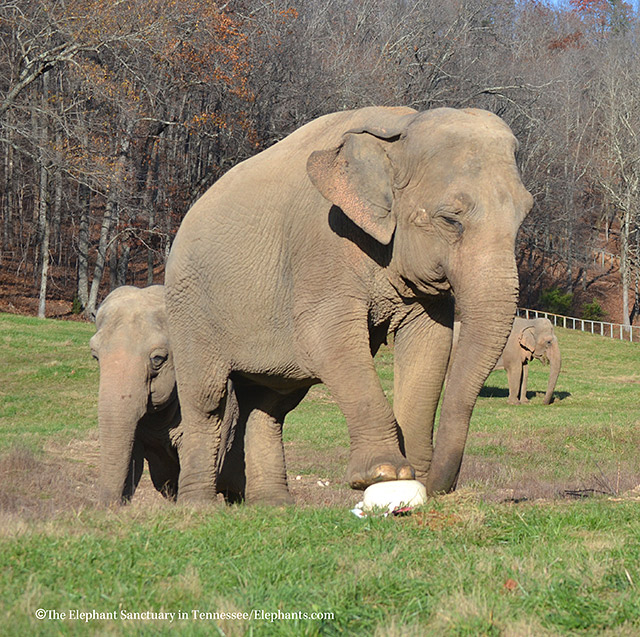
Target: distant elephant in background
x,y
138,408
294,267
529,338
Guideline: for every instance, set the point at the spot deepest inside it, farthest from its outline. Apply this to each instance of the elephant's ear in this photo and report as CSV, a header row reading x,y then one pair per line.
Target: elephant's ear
x,y
528,339
357,176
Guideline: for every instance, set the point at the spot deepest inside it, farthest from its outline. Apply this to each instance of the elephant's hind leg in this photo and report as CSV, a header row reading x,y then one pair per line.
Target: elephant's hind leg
x,y
164,470
205,432
265,466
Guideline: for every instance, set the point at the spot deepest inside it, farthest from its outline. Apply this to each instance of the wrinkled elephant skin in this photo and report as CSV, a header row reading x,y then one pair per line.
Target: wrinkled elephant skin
x,y
295,266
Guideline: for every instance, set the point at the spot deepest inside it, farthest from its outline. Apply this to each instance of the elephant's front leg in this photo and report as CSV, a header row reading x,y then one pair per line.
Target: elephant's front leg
x,y
421,353
346,367
523,384
515,374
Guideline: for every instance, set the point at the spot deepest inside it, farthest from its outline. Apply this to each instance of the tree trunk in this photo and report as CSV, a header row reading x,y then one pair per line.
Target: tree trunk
x,y
148,205
624,267
56,212
122,268
113,264
43,222
108,219
7,234
43,205
84,201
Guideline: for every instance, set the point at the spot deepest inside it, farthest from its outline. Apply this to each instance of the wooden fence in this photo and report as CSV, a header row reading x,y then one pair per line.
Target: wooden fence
x,y
611,330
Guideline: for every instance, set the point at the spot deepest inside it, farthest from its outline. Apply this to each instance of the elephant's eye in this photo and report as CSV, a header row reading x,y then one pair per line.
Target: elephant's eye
x,y
454,223
450,225
94,353
157,360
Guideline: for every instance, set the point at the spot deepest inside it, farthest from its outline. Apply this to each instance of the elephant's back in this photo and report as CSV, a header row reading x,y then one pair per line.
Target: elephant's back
x,y
255,238
268,200
257,186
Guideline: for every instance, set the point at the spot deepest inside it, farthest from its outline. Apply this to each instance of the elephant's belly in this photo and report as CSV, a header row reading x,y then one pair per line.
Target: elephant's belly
x,y
282,383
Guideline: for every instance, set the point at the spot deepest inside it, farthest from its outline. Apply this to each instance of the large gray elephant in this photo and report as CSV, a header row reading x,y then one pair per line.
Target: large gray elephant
x,y
529,339
138,407
295,266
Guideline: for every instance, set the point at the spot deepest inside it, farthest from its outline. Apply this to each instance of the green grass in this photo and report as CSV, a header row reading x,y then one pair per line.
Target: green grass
x,y
48,383
466,564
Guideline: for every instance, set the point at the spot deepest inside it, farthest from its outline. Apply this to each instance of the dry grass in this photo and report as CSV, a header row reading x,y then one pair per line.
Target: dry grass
x,y
37,488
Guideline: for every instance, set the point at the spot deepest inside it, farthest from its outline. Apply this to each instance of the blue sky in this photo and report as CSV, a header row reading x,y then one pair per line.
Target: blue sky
x,y
565,3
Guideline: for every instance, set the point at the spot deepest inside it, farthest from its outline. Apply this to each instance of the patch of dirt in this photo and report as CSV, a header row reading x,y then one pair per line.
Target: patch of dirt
x,y
316,477
63,480
497,481
37,488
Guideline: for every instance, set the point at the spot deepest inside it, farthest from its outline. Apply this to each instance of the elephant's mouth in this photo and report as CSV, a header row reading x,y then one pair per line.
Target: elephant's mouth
x,y
411,290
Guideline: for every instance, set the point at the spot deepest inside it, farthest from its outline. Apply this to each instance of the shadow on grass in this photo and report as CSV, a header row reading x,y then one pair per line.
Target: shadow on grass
x,y
494,392
489,391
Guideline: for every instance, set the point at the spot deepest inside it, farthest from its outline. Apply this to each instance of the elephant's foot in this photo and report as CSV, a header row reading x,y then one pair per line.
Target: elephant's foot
x,y
271,497
194,492
201,504
524,401
363,470
513,401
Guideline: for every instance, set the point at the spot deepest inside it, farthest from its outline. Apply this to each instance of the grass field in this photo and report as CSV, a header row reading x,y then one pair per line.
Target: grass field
x,y
542,537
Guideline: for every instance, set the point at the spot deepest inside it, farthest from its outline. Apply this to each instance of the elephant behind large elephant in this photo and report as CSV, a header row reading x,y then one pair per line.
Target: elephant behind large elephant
x,y
138,408
528,339
294,267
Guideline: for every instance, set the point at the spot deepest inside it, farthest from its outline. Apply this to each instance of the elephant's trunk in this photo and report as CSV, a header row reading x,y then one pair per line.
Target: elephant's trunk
x,y
555,361
486,302
121,405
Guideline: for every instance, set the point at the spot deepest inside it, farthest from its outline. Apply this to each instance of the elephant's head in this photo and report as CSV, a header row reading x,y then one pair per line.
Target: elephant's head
x,y
137,382
538,340
443,190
